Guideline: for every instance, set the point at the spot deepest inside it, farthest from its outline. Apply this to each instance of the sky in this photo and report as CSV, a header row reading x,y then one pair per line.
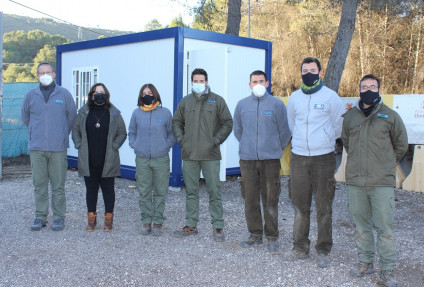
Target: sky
x,y
123,15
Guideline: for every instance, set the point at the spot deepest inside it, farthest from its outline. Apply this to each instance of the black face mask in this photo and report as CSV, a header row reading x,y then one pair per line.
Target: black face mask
x,y
99,99
148,100
369,97
310,79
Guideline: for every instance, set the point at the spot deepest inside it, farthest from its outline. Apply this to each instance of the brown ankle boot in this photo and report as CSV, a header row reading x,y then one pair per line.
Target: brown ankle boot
x,y
91,221
108,221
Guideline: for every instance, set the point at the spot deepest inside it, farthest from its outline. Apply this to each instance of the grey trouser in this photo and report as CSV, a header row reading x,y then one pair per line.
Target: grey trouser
x,y
191,174
49,166
312,175
370,206
261,178
152,177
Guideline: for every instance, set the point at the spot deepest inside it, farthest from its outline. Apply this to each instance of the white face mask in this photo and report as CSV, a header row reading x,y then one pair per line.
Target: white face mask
x,y
259,90
199,88
46,79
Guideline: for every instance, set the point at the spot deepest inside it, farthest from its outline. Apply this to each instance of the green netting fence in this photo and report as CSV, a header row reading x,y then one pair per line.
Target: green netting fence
x,y
14,132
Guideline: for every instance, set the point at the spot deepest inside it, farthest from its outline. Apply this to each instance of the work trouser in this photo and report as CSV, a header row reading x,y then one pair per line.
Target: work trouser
x,y
370,206
261,178
312,175
49,166
92,184
152,177
191,174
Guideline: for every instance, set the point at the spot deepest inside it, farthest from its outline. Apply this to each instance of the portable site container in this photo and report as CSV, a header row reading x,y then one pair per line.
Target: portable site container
x,y
166,59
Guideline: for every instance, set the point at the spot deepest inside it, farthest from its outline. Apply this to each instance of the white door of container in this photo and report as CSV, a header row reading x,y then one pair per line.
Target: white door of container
x,y
214,62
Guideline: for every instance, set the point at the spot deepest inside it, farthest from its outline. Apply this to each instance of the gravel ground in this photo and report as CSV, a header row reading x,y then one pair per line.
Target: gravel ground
x,y
123,257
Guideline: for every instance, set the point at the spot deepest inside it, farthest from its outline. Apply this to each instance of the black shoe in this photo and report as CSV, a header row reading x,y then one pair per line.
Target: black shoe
x,y
295,255
218,235
251,241
146,229
58,224
388,276
273,245
38,224
156,229
362,268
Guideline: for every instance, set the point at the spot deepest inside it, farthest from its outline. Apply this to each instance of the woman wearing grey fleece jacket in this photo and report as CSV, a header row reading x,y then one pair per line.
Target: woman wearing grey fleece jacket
x,y
150,135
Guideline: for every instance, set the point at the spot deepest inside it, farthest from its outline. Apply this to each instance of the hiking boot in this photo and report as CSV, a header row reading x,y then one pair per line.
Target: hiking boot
x,y
156,229
58,224
273,245
218,235
361,269
295,255
323,261
108,221
38,224
251,241
146,229
388,276
91,221
185,231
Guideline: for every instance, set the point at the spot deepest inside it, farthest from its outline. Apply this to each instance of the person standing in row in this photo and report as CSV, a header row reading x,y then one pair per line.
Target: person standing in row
x,y
260,126
49,112
98,133
150,135
315,120
201,123
375,139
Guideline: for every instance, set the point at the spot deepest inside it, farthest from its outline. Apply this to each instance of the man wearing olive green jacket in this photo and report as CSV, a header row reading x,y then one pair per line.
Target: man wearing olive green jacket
x,y
375,139
201,123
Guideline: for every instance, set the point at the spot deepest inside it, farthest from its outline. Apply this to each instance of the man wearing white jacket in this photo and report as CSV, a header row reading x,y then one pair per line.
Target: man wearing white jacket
x,y
314,114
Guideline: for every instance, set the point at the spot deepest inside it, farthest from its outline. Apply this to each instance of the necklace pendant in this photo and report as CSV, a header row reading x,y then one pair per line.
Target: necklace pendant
x,y
97,125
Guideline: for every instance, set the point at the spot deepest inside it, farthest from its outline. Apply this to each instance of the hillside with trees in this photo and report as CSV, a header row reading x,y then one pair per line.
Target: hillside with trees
x,y
387,40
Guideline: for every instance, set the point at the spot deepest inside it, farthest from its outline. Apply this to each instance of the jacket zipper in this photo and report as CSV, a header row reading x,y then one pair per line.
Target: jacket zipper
x,y
257,130
150,135
307,126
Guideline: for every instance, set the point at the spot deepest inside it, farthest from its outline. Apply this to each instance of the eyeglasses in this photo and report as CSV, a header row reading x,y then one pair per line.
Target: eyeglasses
x,y
366,88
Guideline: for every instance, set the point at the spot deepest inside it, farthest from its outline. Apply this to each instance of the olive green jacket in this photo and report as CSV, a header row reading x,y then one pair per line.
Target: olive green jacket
x,y
200,125
116,136
374,145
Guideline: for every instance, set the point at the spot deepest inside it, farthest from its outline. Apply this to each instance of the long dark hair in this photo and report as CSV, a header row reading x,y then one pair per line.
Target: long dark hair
x,y
155,93
90,101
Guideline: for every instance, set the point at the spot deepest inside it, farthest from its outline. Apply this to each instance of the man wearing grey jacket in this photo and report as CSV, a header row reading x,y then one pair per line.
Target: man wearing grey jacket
x,y
260,126
49,112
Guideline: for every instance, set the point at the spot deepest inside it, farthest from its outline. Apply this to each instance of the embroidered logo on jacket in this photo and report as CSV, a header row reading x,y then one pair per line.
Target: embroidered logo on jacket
x,y
319,107
382,116
211,102
268,113
59,101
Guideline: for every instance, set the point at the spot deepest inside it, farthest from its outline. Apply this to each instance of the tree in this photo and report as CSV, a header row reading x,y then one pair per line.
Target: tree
x,y
153,25
18,73
234,17
46,55
341,47
21,47
178,22
211,16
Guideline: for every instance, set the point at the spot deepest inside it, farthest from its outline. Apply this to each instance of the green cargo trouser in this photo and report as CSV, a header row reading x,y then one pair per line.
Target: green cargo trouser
x,y
312,175
261,179
49,166
191,174
152,177
370,206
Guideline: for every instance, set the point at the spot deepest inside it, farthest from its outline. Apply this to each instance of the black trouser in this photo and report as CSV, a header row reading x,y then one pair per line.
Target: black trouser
x,y
92,183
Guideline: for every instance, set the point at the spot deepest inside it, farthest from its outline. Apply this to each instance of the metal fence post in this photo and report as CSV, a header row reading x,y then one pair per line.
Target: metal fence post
x,y
1,91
